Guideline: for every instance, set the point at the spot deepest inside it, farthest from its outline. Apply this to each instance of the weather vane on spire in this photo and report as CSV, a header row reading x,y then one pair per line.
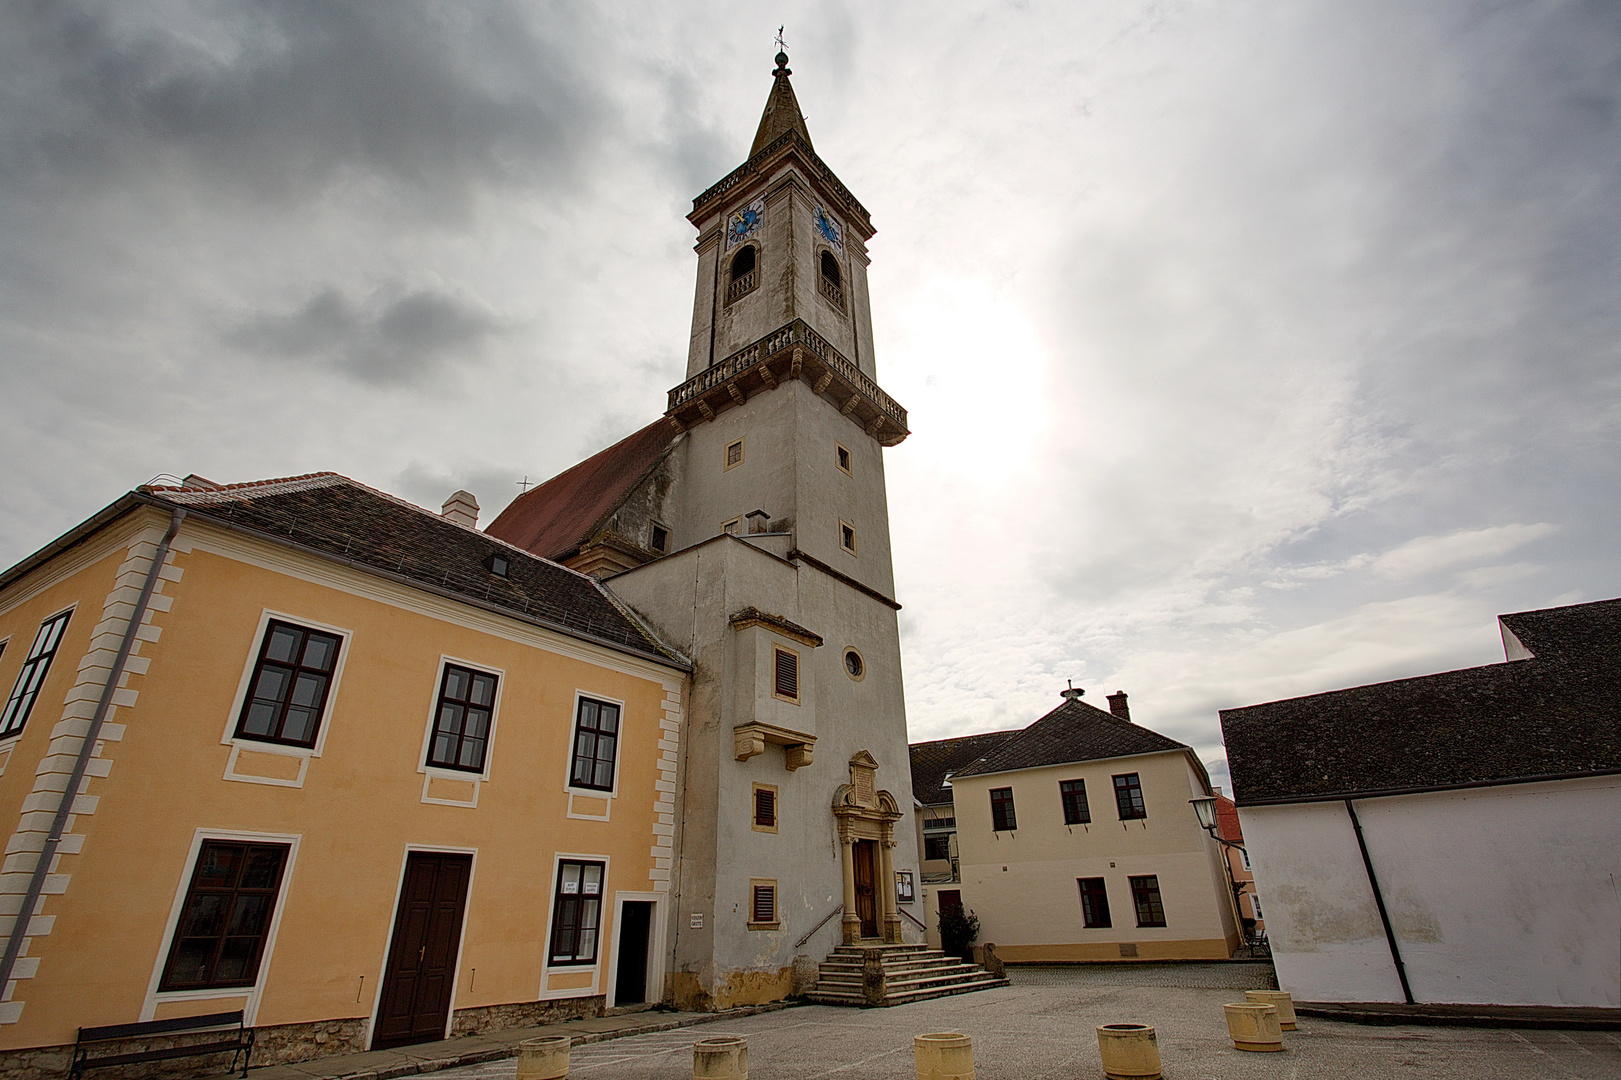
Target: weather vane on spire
x,y
782,46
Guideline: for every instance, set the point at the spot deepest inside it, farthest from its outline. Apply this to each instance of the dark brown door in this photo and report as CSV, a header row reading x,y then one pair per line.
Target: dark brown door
x,y
866,899
422,956
635,922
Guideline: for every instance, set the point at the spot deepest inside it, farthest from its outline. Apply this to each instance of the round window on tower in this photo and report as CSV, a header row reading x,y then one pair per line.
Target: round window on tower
x,y
854,666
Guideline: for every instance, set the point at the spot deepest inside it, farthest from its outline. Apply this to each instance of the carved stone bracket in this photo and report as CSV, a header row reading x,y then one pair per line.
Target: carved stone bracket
x,y
751,739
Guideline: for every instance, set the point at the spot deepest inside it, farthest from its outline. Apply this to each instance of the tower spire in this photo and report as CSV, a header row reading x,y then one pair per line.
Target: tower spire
x,y
782,113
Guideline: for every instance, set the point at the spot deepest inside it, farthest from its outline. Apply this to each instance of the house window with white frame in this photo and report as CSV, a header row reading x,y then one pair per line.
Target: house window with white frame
x,y
596,744
220,938
287,695
461,726
36,665
577,912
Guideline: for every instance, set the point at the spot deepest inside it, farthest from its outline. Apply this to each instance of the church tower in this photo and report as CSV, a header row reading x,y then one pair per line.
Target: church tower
x,y
749,527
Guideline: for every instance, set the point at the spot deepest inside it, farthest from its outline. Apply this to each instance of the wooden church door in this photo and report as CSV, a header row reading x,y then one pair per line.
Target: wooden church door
x,y
866,897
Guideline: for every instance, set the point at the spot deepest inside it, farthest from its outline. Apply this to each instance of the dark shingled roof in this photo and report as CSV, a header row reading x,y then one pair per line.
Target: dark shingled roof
x,y
931,761
1075,731
361,526
1556,714
554,519
1587,635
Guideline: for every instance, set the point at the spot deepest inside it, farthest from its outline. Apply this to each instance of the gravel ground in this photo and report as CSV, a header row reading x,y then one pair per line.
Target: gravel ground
x,y
1046,1032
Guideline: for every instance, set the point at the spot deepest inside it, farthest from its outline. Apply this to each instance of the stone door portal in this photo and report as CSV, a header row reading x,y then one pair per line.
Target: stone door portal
x,y
866,818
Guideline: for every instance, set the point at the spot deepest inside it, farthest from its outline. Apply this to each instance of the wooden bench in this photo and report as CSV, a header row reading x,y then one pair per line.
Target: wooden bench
x,y
236,1042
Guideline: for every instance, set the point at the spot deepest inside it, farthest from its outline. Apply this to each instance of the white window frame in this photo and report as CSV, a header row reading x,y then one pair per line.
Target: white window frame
x,y
568,757
303,753
254,993
596,969
6,691
442,771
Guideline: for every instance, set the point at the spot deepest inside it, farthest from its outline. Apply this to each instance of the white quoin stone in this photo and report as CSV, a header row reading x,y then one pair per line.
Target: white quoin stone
x,y
462,508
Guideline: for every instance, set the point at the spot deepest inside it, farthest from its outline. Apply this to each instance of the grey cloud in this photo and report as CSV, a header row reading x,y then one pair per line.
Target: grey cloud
x,y
388,339
286,99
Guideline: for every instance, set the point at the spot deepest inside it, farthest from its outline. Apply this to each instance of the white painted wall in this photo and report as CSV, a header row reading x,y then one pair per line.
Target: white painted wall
x,y
1504,895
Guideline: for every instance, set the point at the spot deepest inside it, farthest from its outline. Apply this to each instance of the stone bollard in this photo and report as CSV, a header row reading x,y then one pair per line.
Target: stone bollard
x,y
544,1059
1254,1026
724,1057
1129,1051
991,962
944,1056
874,979
1282,999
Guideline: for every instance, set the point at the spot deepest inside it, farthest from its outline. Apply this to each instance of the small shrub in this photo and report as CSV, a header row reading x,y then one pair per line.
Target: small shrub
x,y
958,929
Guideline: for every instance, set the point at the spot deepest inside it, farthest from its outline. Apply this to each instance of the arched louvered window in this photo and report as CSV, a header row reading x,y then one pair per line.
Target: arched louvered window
x,y
832,283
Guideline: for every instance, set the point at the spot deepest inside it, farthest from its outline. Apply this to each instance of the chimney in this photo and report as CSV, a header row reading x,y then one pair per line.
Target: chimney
x,y
199,483
1072,694
759,521
462,509
1118,706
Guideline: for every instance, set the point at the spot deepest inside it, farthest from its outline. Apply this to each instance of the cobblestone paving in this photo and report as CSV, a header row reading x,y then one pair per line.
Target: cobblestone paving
x,y
1030,1032
1230,975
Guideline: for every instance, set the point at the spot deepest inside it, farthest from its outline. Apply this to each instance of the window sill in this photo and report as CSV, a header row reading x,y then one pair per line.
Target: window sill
x,y
765,926
276,764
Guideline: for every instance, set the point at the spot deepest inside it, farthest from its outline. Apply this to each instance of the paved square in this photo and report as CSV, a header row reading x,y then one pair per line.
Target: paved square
x,y
1042,1027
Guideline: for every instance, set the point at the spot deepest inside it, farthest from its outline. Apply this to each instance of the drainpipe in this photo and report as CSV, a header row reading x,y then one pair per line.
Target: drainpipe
x,y
1379,902
64,809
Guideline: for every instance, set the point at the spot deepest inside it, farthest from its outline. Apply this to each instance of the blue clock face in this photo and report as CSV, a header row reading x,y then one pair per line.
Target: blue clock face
x,y
830,230
745,222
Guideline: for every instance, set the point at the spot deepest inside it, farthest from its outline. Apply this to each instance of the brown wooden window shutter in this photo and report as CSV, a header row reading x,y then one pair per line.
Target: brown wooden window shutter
x,y
765,903
787,674
765,807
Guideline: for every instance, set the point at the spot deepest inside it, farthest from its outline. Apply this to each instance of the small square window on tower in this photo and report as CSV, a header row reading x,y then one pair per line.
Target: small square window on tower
x,y
733,526
842,456
661,538
763,904
734,454
847,536
765,808
785,675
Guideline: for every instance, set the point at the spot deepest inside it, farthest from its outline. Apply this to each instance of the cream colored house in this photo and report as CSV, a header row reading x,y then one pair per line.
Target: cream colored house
x,y
430,776
1075,841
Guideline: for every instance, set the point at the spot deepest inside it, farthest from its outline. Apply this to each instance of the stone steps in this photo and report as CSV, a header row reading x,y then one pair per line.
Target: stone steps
x,y
910,973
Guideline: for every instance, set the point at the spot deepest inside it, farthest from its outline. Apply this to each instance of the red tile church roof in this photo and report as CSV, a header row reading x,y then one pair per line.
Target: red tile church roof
x,y
554,519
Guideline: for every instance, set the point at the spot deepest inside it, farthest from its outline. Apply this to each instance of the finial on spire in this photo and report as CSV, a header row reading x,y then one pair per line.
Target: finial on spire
x,y
781,108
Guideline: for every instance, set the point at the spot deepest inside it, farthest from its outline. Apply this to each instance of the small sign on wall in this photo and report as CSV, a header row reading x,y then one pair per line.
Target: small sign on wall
x,y
697,920
904,892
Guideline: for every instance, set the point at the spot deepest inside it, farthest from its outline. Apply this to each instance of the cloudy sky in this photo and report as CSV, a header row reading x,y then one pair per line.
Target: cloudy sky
x,y
1252,348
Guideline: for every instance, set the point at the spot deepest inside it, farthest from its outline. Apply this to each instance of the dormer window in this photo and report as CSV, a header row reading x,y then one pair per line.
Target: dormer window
x,y
832,280
498,565
743,276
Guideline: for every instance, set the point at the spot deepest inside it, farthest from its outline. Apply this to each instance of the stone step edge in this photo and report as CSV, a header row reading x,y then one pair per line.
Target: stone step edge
x,y
964,976
906,998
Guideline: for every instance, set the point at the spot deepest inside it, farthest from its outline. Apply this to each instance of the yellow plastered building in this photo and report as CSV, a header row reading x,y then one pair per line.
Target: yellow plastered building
x,y
359,770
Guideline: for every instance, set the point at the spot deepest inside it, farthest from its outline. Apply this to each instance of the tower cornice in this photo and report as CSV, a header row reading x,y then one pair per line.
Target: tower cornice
x,y
760,167
794,351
